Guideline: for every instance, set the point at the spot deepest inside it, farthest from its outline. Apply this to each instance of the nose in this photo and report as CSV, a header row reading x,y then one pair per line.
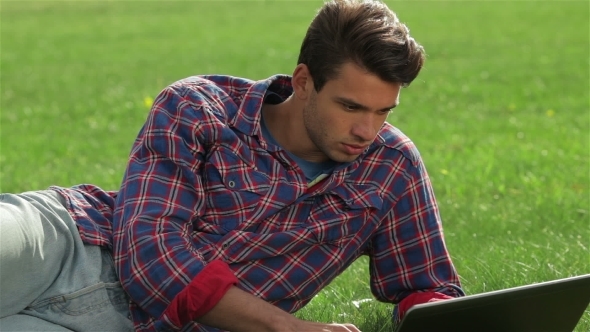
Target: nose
x,y
364,128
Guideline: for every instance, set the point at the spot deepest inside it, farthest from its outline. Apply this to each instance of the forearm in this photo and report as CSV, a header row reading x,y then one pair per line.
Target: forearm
x,y
239,311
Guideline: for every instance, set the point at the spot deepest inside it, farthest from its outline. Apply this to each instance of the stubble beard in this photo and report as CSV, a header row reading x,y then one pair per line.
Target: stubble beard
x,y
316,130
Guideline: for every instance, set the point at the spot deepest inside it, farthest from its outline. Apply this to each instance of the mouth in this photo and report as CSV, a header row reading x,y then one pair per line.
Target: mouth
x,y
354,149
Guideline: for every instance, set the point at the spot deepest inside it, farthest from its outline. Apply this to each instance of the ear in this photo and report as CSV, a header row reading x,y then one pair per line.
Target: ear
x,y
302,82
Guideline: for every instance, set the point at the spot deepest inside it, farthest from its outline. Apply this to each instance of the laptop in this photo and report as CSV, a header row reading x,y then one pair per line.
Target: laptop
x,y
553,306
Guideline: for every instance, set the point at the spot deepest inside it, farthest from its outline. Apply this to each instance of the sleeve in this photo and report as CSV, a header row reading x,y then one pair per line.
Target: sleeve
x,y
408,253
416,298
160,197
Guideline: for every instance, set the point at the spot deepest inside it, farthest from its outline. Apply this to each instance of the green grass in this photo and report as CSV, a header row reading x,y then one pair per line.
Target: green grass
x,y
500,114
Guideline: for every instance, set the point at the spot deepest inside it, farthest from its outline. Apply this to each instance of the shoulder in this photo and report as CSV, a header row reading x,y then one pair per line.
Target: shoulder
x,y
392,155
392,164
215,92
392,141
200,100
213,84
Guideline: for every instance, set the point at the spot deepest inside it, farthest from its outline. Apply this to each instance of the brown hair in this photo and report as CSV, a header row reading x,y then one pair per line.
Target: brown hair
x,y
365,32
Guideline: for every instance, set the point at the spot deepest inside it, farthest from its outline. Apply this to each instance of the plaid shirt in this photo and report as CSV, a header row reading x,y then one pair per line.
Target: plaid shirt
x,y
202,184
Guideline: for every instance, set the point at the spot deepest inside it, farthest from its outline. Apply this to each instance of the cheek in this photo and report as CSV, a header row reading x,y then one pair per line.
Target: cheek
x,y
340,123
380,121
329,118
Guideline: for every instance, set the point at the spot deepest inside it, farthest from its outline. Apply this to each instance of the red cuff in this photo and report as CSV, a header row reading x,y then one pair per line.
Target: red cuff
x,y
202,294
419,298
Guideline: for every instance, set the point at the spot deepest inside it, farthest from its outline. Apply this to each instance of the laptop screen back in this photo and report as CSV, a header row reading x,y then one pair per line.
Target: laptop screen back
x,y
550,306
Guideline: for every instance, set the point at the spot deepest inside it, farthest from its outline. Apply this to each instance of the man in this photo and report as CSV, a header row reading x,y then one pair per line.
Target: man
x,y
243,199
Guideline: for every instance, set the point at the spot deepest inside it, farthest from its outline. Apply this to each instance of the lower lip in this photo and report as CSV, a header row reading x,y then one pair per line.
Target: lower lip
x,y
352,150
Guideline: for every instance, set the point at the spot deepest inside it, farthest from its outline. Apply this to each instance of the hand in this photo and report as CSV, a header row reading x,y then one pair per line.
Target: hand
x,y
304,326
341,328
251,314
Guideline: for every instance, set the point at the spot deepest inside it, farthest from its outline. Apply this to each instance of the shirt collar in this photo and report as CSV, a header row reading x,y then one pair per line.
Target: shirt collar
x,y
247,120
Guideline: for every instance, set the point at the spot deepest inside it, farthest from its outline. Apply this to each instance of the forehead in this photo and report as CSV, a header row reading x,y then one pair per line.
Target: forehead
x,y
355,83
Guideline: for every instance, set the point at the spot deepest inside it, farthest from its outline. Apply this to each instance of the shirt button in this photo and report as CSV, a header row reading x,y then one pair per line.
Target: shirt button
x,y
231,184
225,246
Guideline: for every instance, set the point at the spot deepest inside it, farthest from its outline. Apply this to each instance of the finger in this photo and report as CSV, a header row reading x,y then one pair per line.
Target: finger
x,y
342,328
352,328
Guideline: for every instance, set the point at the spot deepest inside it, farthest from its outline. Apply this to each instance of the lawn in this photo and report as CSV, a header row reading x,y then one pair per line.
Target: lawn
x,y
500,114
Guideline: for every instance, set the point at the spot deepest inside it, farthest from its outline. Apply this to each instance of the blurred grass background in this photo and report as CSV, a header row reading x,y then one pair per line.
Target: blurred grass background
x,y
500,113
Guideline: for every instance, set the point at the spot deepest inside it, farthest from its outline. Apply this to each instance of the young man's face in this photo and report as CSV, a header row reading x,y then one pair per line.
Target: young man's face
x,y
343,119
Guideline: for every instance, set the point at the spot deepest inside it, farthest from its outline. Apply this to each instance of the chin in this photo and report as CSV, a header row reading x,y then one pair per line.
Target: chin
x,y
343,158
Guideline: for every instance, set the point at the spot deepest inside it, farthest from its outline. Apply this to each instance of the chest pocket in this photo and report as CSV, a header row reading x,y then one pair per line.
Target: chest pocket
x,y
345,212
233,188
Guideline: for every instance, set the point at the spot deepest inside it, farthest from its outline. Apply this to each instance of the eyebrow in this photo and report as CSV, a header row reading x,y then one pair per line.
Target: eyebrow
x,y
360,106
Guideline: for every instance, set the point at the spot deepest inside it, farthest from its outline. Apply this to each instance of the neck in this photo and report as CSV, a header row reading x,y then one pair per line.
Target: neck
x,y
285,123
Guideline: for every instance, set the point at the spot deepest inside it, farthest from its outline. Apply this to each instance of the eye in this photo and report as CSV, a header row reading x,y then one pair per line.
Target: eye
x,y
349,108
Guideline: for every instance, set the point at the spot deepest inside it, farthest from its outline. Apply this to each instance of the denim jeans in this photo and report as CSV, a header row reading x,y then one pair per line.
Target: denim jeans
x,y
49,279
